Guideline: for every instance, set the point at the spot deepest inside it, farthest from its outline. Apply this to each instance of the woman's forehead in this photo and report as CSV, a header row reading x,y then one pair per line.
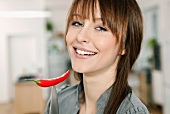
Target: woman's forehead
x,y
87,12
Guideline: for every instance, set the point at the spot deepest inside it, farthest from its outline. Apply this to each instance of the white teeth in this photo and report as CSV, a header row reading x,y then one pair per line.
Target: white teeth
x,y
81,52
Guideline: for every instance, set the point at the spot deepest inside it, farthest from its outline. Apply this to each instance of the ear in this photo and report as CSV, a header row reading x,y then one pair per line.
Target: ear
x,y
123,52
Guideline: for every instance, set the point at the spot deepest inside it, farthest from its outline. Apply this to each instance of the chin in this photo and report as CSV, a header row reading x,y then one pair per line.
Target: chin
x,y
79,69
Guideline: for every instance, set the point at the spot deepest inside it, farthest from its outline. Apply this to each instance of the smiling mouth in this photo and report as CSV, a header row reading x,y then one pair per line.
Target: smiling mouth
x,y
82,52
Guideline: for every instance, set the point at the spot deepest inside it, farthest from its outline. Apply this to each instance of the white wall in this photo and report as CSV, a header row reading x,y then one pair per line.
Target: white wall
x,y
4,95
21,5
166,58
19,27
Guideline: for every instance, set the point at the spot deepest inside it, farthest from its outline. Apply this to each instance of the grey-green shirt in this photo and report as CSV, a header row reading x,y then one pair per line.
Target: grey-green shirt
x,y
65,101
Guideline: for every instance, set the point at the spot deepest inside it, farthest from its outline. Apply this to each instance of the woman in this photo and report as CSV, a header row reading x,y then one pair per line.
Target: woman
x,y
103,38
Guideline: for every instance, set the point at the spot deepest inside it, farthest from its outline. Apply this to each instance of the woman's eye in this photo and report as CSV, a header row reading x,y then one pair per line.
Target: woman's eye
x,y
101,28
76,23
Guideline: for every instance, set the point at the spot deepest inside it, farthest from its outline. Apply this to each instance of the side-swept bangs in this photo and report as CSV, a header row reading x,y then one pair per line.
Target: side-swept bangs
x,y
111,15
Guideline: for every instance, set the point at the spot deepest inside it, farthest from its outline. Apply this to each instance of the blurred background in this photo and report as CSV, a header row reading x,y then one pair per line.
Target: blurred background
x,y
32,46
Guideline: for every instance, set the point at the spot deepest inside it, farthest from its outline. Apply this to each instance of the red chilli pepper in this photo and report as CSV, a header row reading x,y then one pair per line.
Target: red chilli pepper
x,y
52,81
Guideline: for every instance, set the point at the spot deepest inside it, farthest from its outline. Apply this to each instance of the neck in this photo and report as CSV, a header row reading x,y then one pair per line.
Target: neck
x,y
95,86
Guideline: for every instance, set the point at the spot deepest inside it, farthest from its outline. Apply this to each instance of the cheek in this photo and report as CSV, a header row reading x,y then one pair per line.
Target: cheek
x,y
71,35
69,38
106,41
108,45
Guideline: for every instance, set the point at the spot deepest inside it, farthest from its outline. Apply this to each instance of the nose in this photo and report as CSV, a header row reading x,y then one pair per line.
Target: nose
x,y
84,35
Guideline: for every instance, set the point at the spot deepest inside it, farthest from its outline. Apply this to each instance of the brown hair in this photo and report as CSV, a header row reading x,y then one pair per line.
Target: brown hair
x,y
124,18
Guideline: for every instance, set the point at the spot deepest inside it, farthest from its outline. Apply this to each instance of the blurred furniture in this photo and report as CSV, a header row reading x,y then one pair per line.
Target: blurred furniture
x,y
143,87
138,82
57,58
28,98
157,85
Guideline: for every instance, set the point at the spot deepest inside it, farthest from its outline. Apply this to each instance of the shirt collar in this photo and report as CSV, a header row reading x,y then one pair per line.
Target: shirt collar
x,y
102,101
79,89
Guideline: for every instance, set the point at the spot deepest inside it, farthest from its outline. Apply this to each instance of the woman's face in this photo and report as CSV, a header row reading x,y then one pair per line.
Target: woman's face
x,y
91,45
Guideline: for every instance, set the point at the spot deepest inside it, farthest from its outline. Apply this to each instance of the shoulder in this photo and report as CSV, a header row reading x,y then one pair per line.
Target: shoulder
x,y
132,105
67,99
66,91
64,97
